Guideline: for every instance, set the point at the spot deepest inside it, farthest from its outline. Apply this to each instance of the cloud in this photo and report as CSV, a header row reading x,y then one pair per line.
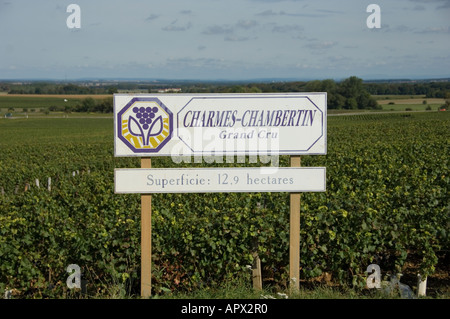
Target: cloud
x,y
439,30
304,15
152,17
442,4
399,28
419,8
176,28
402,28
445,5
267,13
322,45
321,13
330,11
234,38
287,28
218,29
246,24
230,31
189,62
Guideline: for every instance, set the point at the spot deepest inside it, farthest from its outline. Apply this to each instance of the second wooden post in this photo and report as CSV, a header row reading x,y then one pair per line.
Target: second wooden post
x,y
294,234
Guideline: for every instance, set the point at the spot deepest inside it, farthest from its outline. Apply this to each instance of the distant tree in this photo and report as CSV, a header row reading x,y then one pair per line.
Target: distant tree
x,y
68,109
351,87
105,106
351,103
334,99
357,97
53,108
254,89
446,105
314,86
337,101
86,105
236,89
113,90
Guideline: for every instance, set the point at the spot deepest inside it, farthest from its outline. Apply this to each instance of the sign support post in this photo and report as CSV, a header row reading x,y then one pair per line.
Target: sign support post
x,y
294,234
146,238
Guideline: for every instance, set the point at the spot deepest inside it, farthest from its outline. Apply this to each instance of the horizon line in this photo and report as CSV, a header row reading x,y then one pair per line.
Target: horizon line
x,y
249,80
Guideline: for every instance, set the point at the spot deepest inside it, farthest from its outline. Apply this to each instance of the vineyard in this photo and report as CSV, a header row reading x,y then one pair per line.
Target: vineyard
x,y
387,202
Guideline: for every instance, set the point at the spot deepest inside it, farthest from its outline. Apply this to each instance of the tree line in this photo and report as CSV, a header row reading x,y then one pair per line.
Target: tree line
x,y
429,89
347,94
87,105
53,88
350,93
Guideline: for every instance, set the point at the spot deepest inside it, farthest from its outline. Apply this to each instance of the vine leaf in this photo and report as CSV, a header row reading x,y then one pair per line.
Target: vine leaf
x,y
156,128
134,127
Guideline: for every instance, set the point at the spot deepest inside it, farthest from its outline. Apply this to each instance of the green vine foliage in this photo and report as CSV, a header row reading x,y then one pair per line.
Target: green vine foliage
x,y
387,201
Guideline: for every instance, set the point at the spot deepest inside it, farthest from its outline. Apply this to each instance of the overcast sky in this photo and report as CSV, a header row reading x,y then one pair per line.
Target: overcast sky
x,y
224,39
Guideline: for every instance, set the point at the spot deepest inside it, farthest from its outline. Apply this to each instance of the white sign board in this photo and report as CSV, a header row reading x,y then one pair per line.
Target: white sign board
x,y
220,124
218,180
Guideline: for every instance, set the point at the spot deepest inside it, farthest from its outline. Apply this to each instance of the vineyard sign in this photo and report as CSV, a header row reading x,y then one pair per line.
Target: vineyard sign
x,y
182,125
221,124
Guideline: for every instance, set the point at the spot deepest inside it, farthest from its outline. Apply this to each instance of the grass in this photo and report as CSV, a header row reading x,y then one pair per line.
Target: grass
x,y
240,292
54,130
39,102
411,107
243,290
240,287
408,103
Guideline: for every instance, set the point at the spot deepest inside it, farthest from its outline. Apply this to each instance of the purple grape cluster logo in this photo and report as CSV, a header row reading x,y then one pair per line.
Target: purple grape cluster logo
x,y
146,116
145,125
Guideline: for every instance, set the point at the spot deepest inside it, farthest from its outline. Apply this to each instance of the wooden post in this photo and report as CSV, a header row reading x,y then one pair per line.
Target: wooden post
x,y
146,238
294,234
256,272
256,267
